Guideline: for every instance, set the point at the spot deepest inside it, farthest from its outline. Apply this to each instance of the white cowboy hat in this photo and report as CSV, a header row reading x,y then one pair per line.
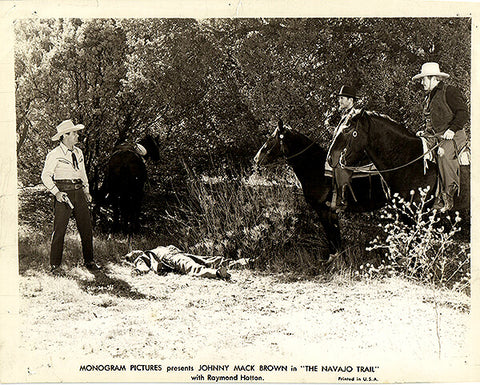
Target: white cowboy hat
x,y
430,69
65,127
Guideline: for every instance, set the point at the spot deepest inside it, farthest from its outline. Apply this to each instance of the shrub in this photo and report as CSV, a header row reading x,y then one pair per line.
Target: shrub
x,y
420,244
248,217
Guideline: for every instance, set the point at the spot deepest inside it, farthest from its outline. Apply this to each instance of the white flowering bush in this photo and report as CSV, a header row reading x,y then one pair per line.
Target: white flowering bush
x,y
419,243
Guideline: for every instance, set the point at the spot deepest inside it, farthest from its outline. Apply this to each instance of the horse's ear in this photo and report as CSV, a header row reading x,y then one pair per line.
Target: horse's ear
x,y
281,127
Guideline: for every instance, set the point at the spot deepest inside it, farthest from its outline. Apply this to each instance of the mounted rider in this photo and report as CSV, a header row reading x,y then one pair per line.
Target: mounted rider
x,y
342,177
445,113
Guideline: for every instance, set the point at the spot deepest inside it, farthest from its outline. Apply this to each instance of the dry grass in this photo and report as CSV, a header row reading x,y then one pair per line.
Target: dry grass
x,y
115,314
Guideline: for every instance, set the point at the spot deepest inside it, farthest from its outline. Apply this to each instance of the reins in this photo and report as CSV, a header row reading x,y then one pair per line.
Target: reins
x,y
384,183
390,169
343,166
300,152
282,148
385,187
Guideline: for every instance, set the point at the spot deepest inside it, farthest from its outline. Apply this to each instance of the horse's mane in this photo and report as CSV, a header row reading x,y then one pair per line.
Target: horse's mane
x,y
305,137
384,116
392,122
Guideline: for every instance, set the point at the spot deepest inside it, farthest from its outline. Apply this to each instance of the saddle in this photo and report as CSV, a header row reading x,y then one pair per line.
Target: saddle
x,y
463,154
359,172
339,192
133,147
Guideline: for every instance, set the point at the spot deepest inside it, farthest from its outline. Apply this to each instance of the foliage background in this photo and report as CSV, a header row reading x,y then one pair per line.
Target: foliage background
x,y
211,89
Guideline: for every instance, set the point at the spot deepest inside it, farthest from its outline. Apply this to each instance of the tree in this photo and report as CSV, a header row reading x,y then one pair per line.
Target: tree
x,y
211,89
75,74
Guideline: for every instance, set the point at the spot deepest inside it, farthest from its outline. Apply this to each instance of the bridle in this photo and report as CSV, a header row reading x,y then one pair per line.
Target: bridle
x,y
284,152
384,183
354,135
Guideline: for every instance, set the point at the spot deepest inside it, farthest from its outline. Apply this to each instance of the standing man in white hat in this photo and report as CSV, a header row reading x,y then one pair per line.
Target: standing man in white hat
x,y
445,113
65,177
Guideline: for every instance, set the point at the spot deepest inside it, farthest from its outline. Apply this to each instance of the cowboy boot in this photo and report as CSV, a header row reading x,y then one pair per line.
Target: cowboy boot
x,y
438,204
448,201
448,197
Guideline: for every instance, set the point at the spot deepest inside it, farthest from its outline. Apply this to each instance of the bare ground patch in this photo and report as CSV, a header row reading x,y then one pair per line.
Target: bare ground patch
x,y
177,317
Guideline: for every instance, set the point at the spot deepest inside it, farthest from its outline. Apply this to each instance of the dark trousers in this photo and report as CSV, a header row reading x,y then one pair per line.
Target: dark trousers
x,y
62,214
342,179
448,164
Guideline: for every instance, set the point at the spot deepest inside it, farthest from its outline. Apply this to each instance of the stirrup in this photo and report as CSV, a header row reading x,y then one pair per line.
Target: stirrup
x,y
341,206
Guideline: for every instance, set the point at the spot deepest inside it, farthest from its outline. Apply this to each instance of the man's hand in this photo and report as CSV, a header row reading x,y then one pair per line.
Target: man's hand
x,y
88,197
448,135
61,196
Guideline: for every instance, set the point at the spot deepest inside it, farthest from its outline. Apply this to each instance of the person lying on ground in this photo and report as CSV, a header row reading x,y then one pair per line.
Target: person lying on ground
x,y
164,259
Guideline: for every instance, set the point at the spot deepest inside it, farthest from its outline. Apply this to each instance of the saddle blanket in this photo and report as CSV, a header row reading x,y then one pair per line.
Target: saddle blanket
x,y
359,172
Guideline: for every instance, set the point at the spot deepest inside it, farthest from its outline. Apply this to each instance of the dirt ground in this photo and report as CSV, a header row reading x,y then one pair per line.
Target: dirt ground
x,y
117,315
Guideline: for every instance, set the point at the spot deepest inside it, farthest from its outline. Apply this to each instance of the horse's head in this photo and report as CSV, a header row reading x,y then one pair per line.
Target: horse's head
x,y
355,139
286,142
271,149
151,145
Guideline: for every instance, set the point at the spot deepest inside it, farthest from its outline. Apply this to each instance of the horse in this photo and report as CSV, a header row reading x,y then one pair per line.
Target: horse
x,y
125,177
307,159
398,156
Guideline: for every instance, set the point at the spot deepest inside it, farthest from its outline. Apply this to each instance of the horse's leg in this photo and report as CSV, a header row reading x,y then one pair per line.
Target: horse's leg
x,y
131,214
128,224
125,214
329,220
116,213
136,219
136,207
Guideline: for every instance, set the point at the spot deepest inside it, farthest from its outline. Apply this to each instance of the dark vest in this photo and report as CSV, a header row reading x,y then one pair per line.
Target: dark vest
x,y
438,114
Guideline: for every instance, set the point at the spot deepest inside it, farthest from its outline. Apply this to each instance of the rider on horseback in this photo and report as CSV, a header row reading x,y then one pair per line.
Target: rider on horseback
x,y
341,176
445,114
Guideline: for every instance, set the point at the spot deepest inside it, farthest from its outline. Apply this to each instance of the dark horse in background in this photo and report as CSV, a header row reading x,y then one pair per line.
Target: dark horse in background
x,y
125,177
397,155
307,159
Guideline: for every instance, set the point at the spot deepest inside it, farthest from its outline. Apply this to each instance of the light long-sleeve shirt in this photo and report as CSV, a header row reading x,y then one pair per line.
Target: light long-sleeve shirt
x,y
59,165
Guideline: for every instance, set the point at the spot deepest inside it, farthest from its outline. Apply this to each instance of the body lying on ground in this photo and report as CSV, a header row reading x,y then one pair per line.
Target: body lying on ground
x,y
164,259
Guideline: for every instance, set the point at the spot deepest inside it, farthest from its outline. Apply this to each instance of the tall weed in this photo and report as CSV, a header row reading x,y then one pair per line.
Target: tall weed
x,y
239,217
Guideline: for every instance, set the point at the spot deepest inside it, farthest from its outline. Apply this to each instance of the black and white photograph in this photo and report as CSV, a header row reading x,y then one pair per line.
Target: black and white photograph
x,y
239,192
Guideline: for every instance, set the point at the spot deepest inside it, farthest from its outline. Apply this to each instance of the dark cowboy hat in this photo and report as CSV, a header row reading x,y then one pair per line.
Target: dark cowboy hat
x,y
347,91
